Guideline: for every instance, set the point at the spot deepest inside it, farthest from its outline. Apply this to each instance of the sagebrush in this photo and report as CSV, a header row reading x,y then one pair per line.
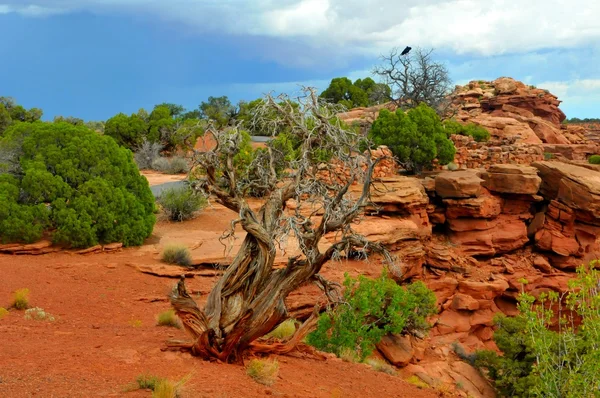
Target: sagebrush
x,y
177,254
181,203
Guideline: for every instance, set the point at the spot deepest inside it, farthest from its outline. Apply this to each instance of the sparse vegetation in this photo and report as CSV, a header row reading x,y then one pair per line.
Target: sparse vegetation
x,y
479,133
167,318
263,371
3,312
415,381
548,156
373,308
177,254
381,366
21,299
147,154
147,381
174,165
136,323
594,159
181,203
38,314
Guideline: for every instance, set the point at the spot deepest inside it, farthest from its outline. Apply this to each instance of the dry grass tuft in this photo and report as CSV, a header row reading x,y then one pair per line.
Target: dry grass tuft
x,y
3,312
349,355
168,318
284,331
21,299
177,254
381,366
415,381
263,371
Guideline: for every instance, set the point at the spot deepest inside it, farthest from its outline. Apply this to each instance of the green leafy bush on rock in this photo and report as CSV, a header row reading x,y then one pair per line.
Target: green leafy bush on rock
x,y
372,309
73,184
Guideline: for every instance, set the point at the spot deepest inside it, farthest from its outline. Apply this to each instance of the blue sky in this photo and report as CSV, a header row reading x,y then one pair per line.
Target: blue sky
x,y
95,58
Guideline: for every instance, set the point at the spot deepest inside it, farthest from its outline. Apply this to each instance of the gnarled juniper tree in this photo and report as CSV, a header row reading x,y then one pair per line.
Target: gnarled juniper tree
x,y
248,301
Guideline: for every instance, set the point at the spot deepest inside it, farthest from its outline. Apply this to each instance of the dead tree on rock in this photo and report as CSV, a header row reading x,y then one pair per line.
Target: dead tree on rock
x,y
248,301
415,78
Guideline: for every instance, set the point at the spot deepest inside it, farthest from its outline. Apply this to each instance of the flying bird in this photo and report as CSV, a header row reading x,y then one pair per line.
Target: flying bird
x,y
406,50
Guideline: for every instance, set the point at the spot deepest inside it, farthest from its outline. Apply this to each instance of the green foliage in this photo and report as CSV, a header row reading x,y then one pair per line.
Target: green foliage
x,y
548,156
594,159
11,113
181,203
74,183
545,356
5,119
217,109
363,92
128,131
177,254
584,120
161,126
416,138
479,133
374,308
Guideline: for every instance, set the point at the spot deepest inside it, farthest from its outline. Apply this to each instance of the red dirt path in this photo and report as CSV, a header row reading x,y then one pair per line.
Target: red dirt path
x,y
98,345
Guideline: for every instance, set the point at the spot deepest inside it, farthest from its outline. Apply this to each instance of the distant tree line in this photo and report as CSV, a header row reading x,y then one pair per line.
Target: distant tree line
x,y
584,120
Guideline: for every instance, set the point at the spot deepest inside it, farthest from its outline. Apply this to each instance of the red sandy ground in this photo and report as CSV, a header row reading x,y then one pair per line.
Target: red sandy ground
x,y
106,333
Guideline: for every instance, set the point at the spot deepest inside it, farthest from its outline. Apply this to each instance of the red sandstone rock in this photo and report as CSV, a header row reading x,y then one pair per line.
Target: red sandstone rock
x,y
510,178
396,349
485,206
458,184
464,302
483,290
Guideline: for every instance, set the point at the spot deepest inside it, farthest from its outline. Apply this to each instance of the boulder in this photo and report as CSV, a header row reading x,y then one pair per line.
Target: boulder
x,y
397,349
512,178
458,184
464,302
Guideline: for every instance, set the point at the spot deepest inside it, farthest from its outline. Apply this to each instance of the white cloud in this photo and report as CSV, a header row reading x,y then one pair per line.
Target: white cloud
x,y
369,27
579,97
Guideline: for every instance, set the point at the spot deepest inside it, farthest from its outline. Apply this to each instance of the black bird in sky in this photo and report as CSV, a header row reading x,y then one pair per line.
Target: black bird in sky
x,y
406,50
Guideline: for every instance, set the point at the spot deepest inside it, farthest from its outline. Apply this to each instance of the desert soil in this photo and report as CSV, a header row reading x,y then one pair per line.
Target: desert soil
x,y
105,334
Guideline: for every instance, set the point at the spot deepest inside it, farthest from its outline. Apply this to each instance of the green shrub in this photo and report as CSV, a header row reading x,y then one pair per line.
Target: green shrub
x,y
479,133
79,186
548,156
375,307
416,138
594,159
181,203
177,254
544,357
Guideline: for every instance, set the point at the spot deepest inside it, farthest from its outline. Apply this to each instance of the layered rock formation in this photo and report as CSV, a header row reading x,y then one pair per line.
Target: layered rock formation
x,y
525,124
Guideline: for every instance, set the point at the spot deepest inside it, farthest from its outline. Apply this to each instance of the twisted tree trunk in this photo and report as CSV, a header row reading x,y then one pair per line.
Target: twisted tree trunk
x,y
248,301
